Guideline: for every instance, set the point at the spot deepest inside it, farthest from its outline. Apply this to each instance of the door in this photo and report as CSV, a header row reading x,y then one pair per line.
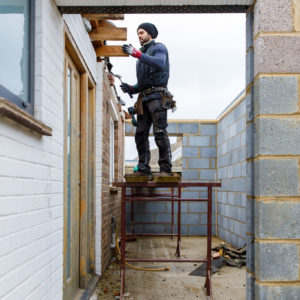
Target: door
x,y
71,179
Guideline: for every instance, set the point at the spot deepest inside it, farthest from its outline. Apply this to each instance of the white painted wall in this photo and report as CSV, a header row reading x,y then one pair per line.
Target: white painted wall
x,y
31,170
82,40
31,178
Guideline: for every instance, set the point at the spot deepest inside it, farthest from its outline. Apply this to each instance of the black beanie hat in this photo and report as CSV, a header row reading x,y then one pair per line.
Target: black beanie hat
x,y
150,28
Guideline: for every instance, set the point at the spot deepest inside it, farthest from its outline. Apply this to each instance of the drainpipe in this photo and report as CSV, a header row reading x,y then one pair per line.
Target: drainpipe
x,y
113,226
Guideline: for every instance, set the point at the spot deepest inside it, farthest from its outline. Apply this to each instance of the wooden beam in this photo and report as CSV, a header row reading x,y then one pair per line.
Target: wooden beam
x,y
97,44
106,51
108,31
95,18
94,24
99,17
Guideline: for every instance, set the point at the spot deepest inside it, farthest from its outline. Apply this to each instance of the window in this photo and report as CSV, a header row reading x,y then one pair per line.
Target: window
x,y
112,151
16,52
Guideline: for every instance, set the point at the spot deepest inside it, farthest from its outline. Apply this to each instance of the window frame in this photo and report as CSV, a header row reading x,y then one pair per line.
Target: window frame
x,y
7,94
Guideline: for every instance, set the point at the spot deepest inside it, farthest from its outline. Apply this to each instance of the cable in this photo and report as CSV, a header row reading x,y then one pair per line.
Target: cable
x,y
167,268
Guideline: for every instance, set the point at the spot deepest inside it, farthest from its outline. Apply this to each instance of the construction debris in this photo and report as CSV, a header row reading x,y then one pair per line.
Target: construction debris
x,y
223,255
109,285
216,265
232,257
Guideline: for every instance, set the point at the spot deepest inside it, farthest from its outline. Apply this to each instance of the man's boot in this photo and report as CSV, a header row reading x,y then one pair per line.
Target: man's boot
x,y
161,174
140,173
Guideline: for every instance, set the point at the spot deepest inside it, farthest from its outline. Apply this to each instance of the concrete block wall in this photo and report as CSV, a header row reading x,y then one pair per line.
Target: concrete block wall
x,y
231,170
198,164
273,166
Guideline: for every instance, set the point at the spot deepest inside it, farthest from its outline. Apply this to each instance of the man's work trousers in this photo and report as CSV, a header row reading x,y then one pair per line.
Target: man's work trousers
x,y
153,113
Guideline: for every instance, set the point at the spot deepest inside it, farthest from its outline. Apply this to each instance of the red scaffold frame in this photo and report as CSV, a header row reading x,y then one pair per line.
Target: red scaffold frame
x,y
171,197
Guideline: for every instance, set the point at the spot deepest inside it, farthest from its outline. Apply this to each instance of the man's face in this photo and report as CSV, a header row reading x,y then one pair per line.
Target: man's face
x,y
144,36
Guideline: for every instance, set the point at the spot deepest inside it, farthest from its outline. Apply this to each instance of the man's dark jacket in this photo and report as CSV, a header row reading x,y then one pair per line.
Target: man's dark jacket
x,y
152,69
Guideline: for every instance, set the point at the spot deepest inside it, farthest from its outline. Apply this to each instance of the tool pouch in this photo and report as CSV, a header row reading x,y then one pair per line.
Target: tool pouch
x,y
138,105
167,100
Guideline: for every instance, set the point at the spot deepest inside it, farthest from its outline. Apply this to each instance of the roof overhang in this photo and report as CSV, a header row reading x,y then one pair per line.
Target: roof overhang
x,y
152,6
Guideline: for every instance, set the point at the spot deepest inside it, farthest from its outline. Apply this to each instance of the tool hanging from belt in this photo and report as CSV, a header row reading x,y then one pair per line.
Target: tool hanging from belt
x,y
166,96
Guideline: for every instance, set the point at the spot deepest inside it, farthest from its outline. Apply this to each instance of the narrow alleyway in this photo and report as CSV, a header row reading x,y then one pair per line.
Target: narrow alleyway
x,y
228,283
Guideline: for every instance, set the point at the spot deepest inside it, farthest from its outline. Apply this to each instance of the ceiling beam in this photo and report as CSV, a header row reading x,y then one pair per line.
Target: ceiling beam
x,y
107,51
95,18
106,31
99,17
144,8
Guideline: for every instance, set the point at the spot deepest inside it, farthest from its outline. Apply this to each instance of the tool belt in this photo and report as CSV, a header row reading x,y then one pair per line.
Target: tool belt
x,y
153,90
166,97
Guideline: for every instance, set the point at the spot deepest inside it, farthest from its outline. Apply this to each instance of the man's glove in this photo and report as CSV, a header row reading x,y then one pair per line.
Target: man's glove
x,y
129,49
126,88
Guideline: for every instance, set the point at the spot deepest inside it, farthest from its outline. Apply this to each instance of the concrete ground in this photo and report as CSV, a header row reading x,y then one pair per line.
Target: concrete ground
x,y
228,284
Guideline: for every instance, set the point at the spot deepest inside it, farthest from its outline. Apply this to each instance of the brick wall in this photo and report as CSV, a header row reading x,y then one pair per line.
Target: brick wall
x,y
83,42
231,170
111,200
31,193
98,162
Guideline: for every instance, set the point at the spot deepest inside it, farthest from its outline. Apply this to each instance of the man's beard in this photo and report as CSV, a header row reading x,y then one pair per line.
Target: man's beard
x,y
145,41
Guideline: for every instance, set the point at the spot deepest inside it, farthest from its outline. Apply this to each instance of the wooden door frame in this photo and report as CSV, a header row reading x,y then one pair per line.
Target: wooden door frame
x,y
87,83
73,108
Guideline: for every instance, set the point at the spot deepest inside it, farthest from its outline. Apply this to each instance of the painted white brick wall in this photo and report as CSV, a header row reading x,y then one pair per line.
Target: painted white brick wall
x,y
31,170
31,176
81,37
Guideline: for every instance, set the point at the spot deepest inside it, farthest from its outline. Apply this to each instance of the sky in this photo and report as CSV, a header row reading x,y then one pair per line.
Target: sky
x,y
207,60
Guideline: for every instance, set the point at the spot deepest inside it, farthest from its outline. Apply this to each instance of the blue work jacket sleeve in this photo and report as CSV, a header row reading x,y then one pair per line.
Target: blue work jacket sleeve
x,y
158,59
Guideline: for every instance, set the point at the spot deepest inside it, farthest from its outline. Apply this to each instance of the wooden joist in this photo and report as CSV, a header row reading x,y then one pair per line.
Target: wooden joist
x,y
104,16
106,51
97,44
104,30
108,31
95,18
